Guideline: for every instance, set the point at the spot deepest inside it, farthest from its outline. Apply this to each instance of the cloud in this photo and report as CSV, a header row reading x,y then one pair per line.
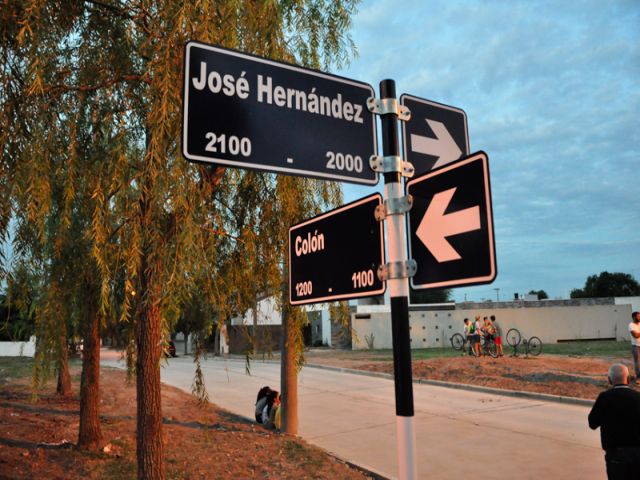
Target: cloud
x,y
552,94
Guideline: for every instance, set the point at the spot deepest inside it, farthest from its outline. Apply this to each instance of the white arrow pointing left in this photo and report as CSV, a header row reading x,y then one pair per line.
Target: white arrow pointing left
x,y
435,226
443,146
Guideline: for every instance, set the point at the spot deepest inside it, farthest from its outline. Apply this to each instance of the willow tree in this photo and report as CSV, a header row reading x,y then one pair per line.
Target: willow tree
x,y
153,225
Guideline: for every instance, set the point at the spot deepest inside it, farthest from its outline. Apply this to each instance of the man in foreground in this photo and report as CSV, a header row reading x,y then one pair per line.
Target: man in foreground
x,y
617,413
634,331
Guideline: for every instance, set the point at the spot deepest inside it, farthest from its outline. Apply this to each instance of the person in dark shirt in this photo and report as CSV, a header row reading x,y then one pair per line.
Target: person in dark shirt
x,y
617,413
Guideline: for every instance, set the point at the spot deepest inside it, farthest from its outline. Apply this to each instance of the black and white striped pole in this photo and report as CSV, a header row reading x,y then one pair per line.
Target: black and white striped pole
x,y
398,269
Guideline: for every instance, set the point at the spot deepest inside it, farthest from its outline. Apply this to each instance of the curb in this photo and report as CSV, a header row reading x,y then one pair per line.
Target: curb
x,y
463,386
460,386
369,471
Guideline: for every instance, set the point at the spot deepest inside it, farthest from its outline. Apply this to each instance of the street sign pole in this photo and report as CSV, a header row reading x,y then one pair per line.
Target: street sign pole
x,y
398,288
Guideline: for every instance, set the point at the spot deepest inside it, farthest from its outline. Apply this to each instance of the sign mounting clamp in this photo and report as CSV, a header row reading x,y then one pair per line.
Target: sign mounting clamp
x,y
391,270
391,164
394,206
388,105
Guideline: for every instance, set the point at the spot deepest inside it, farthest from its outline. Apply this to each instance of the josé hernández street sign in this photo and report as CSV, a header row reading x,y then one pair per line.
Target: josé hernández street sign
x,y
335,256
435,135
451,225
250,112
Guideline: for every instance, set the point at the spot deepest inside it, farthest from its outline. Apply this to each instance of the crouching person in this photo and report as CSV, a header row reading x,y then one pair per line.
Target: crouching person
x,y
261,402
271,412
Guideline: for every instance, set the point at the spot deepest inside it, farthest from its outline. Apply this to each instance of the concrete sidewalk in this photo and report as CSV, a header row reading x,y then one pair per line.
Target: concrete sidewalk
x,y
459,433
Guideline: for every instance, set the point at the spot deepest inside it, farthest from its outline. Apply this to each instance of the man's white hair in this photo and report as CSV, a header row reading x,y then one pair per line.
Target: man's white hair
x,y
618,374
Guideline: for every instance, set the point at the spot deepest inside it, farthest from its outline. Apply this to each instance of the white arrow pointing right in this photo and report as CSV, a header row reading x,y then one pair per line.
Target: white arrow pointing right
x,y
443,146
436,226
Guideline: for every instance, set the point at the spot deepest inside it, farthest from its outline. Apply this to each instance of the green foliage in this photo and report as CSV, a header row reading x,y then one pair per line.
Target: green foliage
x,y
198,388
339,314
370,339
540,293
118,222
429,296
18,304
608,285
94,85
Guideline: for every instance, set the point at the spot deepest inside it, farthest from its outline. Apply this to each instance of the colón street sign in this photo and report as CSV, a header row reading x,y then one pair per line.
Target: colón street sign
x,y
336,255
435,135
250,112
451,225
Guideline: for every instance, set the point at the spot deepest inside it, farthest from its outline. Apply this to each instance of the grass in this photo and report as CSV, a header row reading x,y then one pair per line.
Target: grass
x,y
303,455
606,348
119,468
15,367
427,353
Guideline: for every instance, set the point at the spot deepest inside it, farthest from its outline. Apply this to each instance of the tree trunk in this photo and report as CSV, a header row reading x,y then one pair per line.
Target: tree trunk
x,y
90,434
63,388
254,333
216,342
186,343
288,372
150,454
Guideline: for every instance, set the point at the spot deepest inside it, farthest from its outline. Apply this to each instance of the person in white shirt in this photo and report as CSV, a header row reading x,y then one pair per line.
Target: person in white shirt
x,y
634,330
479,333
467,337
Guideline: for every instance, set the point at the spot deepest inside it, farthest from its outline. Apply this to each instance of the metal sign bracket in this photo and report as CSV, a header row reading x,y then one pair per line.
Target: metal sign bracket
x,y
388,105
392,270
391,164
394,206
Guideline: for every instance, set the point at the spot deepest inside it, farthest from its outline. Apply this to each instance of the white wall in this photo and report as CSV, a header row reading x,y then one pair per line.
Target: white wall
x,y
268,314
550,324
633,301
180,344
18,349
326,328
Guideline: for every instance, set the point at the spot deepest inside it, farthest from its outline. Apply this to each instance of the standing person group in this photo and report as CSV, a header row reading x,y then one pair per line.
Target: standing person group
x,y
487,328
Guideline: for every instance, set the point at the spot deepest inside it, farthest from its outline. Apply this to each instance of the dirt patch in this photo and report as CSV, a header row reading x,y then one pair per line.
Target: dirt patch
x,y
199,442
556,375
39,436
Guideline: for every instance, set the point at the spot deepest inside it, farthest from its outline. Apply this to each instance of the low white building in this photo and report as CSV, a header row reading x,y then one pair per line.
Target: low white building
x,y
550,320
18,349
268,313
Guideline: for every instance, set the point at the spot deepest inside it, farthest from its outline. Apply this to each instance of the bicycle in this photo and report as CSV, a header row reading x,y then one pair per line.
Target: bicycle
x,y
488,346
532,346
458,343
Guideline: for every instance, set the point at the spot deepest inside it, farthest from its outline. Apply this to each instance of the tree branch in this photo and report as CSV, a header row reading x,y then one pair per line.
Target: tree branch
x,y
99,86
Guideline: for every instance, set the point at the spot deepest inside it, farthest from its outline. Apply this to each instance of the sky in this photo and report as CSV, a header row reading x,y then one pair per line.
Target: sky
x,y
551,90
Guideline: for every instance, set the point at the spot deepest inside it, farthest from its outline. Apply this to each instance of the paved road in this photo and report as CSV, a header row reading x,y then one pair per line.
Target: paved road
x,y
459,434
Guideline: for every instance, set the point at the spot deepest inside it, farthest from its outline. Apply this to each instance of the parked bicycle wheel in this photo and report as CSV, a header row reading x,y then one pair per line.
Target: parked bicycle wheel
x,y
535,346
491,349
457,341
513,337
